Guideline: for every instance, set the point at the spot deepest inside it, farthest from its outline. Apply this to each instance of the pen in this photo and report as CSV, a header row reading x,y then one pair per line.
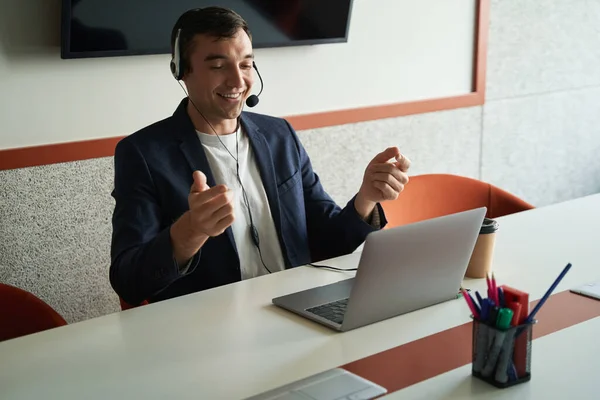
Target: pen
x,y
501,299
512,370
493,314
477,308
485,310
548,293
469,301
479,300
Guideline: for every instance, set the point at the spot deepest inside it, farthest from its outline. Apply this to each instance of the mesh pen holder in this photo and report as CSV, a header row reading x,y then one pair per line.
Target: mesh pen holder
x,y
502,357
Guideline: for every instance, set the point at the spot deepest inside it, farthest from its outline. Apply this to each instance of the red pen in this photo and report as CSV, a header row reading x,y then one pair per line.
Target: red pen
x,y
495,290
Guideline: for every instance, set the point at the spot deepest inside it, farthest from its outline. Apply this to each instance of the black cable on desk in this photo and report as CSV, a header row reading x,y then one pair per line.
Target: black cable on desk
x,y
330,267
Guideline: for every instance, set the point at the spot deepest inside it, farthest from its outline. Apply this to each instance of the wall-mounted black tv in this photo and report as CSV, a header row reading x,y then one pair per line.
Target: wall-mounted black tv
x,y
105,28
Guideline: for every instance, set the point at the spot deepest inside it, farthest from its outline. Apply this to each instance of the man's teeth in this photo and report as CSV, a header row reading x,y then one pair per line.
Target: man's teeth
x,y
231,95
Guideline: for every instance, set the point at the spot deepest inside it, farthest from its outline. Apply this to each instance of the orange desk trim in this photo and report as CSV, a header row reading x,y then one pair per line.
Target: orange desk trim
x,y
433,355
83,150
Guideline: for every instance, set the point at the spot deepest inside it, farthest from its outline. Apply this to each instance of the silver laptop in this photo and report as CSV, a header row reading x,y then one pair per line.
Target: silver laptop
x,y
401,269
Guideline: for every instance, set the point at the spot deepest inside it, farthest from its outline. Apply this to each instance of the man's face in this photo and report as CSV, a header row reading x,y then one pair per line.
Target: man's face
x,y
221,75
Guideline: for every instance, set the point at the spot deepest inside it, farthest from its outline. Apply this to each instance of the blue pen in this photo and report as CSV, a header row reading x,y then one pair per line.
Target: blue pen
x,y
539,305
485,310
501,300
512,372
477,307
479,299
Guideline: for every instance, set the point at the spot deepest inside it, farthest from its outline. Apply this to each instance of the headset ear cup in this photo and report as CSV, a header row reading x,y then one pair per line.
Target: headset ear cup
x,y
176,67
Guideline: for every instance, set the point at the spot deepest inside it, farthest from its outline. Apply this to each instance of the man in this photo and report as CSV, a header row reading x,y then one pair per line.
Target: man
x,y
213,195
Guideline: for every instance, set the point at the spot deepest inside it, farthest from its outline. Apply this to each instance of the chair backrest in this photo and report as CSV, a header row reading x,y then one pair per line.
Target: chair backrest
x,y
434,195
127,306
22,313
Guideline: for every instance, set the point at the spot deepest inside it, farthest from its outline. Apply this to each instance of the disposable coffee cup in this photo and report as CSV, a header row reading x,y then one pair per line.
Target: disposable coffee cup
x,y
480,264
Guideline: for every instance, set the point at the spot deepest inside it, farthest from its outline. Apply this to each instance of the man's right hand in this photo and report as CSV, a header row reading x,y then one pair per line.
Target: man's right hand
x,y
210,213
211,209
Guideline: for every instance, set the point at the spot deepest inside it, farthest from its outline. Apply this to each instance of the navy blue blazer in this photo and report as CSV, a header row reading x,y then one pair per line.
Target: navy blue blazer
x,y
153,176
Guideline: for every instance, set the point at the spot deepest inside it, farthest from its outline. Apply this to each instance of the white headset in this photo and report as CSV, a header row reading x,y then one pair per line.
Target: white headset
x,y
176,69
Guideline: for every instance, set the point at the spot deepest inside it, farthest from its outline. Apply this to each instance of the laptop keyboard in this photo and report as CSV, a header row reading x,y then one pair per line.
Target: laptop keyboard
x,y
333,311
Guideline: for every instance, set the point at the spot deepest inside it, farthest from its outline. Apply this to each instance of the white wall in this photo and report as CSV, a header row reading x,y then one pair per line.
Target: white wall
x,y
398,50
537,136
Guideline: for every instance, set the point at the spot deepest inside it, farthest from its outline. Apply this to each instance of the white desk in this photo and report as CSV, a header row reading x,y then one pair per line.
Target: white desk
x,y
230,342
564,365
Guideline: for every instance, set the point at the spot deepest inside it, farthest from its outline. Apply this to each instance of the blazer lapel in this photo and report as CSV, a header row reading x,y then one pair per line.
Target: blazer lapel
x,y
264,161
194,152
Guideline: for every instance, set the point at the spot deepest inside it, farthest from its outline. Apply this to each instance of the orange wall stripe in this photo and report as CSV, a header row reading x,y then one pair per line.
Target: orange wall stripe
x,y
83,150
349,116
422,359
57,153
481,46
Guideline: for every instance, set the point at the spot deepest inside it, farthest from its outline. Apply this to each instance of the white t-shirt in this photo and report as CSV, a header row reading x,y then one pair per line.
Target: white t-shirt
x,y
223,167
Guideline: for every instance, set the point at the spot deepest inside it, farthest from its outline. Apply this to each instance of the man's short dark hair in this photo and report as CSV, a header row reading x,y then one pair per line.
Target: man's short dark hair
x,y
218,22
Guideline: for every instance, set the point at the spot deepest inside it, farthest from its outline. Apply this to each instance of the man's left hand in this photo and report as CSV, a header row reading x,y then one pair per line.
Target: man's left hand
x,y
383,180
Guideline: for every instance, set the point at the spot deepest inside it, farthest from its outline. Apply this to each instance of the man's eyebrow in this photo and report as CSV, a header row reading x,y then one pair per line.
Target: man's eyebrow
x,y
214,56
211,57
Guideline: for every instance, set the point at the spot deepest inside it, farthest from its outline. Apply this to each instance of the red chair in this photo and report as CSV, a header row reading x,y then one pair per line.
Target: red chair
x,y
22,313
434,195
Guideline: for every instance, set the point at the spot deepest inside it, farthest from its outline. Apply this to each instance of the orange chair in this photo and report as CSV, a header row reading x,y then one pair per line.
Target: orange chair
x,y
22,313
434,195
127,306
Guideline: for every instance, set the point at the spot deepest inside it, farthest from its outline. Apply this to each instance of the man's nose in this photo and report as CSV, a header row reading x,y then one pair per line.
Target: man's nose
x,y
235,78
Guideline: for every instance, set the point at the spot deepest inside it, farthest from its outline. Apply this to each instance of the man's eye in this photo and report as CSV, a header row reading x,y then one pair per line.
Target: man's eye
x,y
216,67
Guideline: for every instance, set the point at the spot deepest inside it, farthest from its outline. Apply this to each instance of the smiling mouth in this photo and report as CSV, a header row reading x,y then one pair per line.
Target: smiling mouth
x,y
230,96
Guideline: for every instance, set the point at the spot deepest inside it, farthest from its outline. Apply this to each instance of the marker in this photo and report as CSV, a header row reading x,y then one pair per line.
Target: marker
x,y
481,349
501,341
505,365
516,308
494,289
504,318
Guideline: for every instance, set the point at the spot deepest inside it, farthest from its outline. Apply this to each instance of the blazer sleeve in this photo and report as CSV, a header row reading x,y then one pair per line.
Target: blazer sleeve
x,y
142,261
332,231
